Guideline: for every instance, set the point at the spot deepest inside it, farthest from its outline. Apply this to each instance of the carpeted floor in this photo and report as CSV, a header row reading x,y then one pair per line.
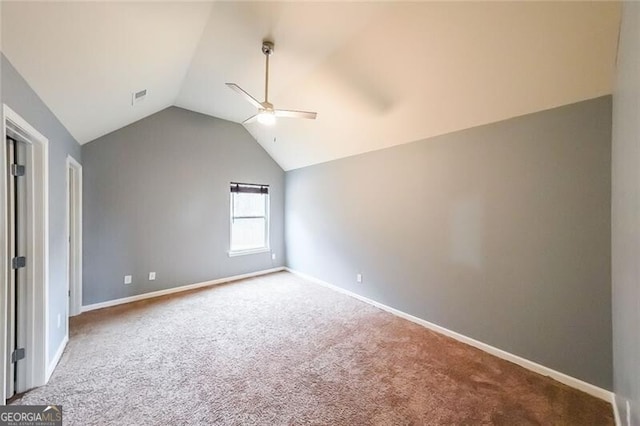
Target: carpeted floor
x,y
278,350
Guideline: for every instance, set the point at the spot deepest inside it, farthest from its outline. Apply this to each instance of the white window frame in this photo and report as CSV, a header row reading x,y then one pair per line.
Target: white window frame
x,y
267,247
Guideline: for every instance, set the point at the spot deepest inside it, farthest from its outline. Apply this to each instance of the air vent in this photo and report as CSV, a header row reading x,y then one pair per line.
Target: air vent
x,y
138,97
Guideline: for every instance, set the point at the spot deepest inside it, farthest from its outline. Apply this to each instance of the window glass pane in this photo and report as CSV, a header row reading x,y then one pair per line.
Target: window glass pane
x,y
248,204
247,234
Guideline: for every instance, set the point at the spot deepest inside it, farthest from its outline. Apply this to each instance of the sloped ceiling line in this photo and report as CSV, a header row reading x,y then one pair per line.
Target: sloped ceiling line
x,y
379,74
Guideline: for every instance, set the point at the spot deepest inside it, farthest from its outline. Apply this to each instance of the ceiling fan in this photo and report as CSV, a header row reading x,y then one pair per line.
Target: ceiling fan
x,y
266,112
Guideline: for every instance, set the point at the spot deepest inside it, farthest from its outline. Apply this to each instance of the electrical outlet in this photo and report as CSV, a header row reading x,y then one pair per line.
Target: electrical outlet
x,y
273,256
359,278
152,276
127,279
628,413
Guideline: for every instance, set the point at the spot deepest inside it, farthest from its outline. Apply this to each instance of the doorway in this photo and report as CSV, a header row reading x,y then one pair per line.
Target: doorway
x,y
16,151
25,261
74,233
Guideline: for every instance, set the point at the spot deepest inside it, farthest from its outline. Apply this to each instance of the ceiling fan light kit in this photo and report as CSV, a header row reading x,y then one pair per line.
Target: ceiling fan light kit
x,y
266,117
266,112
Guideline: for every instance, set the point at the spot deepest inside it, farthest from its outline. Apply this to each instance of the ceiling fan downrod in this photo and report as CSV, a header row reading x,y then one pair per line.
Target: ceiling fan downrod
x,y
267,49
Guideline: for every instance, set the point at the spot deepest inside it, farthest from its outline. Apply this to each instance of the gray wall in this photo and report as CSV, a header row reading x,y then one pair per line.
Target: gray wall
x,y
626,216
17,94
500,232
156,198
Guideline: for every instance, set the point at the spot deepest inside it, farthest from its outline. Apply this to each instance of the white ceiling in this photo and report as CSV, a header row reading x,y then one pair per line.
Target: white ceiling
x,y
85,59
378,74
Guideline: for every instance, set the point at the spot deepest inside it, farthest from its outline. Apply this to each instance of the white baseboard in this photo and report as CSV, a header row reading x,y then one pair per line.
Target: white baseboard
x,y
529,365
56,358
616,412
152,294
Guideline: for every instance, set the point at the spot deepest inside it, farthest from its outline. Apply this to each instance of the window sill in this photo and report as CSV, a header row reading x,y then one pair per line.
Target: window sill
x,y
246,252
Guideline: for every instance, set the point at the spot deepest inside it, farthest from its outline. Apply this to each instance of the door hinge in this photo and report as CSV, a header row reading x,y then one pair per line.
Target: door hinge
x,y
18,262
17,355
17,170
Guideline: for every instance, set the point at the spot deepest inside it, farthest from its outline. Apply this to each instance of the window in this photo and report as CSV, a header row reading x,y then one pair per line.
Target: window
x,y
249,218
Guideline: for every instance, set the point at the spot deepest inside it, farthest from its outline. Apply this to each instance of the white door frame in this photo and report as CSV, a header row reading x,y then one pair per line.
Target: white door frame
x,y
74,232
37,176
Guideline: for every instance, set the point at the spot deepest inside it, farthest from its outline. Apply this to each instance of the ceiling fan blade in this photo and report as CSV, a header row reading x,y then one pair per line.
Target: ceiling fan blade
x,y
295,114
253,101
250,119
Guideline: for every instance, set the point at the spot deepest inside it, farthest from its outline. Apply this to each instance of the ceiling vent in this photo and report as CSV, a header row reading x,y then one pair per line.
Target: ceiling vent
x,y
138,97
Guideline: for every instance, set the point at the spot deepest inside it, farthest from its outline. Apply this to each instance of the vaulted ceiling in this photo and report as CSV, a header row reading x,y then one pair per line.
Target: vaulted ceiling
x,y
378,74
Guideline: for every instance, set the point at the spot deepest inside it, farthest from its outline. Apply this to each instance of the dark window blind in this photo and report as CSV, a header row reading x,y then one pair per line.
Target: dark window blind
x,y
248,188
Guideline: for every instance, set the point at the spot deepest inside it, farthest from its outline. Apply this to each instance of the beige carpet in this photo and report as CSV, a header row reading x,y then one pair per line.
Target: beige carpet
x,y
278,350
